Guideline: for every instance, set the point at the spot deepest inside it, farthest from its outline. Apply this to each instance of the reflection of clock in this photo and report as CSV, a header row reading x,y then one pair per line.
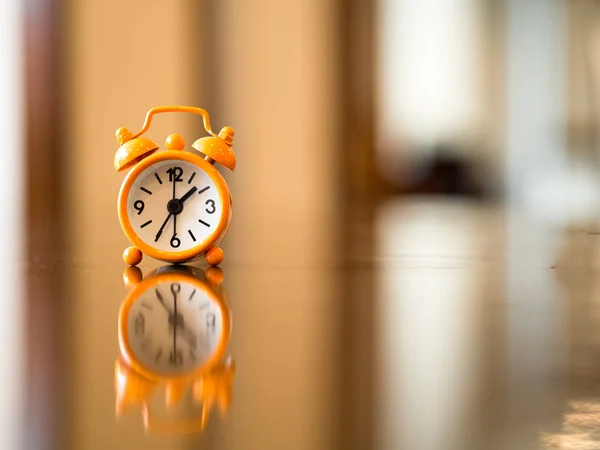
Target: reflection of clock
x,y
174,328
173,324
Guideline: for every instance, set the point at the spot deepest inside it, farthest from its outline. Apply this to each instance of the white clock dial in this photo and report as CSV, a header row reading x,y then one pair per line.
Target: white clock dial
x,y
174,327
174,206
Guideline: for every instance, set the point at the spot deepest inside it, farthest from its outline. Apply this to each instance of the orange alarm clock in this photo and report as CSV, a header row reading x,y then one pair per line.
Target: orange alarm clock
x,y
174,205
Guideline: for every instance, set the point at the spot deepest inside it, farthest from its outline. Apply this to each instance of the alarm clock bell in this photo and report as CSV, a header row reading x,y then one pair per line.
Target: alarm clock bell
x,y
131,151
218,149
215,148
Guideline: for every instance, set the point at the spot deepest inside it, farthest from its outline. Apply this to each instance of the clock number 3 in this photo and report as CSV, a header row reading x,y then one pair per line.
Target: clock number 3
x,y
211,206
211,322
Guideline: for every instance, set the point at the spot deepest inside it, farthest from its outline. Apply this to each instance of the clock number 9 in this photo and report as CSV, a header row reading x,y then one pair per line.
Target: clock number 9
x,y
139,206
175,242
211,204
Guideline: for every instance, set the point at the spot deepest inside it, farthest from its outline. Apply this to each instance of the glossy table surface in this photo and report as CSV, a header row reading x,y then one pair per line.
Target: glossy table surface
x,y
439,325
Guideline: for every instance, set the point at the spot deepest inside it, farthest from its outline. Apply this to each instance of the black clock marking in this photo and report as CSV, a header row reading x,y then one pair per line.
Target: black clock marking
x,y
146,224
147,306
192,295
204,190
192,235
158,178
204,223
191,178
158,354
146,190
211,321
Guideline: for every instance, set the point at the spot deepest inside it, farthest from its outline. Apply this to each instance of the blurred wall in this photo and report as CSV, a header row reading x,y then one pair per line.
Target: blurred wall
x,y
12,245
277,83
277,69
439,93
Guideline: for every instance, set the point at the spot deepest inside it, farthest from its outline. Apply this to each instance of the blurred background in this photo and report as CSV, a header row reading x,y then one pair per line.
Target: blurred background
x,y
413,254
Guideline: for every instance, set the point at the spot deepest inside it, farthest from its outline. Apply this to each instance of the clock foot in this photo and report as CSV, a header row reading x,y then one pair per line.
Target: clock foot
x,y
132,276
132,256
214,275
214,256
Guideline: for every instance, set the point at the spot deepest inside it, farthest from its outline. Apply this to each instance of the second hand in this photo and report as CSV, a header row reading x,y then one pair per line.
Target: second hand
x,y
174,329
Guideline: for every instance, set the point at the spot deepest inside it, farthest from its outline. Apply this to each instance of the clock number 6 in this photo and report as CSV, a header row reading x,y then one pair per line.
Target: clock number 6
x,y
211,204
139,206
175,242
176,358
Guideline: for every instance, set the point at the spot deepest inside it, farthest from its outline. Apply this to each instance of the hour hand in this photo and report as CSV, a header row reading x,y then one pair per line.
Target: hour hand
x,y
188,194
162,302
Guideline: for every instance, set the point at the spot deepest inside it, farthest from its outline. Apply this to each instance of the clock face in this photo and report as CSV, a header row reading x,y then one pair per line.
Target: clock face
x,y
174,206
174,327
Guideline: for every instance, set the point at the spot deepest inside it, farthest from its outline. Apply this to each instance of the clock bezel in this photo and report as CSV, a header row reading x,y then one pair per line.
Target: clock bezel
x,y
123,326
198,250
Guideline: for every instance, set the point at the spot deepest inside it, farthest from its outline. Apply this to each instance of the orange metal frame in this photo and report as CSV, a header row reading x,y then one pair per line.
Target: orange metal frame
x,y
197,251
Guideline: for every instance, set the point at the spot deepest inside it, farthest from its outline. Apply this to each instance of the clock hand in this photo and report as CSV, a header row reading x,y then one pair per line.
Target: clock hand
x,y
162,227
174,182
188,194
174,325
162,302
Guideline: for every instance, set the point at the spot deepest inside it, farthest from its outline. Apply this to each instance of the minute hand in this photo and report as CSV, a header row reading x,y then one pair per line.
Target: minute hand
x,y
188,194
162,228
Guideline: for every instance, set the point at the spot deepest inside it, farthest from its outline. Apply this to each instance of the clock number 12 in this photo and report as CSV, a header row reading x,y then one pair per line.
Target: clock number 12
x,y
175,174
